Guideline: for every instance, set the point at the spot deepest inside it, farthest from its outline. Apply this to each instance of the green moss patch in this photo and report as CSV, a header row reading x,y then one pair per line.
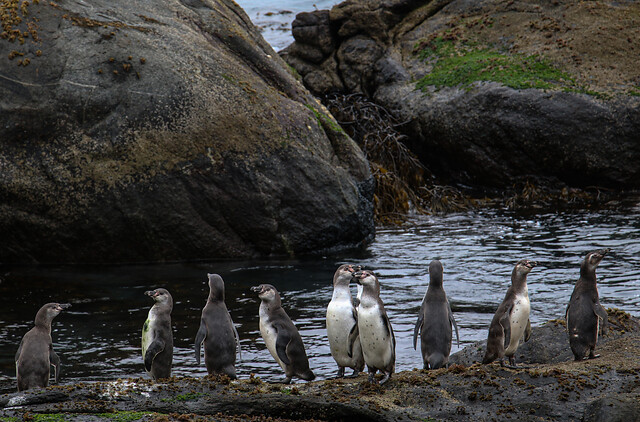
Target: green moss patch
x,y
124,416
460,64
325,121
185,397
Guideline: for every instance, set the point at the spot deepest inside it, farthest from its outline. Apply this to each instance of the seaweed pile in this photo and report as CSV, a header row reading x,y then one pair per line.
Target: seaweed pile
x,y
403,184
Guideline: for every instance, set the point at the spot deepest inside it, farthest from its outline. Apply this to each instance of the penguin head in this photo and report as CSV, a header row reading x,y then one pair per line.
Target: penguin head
x,y
367,279
161,296
49,311
592,260
524,266
266,292
216,287
344,275
435,272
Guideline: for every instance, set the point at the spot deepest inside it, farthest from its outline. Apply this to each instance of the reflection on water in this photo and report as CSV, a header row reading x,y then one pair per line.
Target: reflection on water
x,y
99,337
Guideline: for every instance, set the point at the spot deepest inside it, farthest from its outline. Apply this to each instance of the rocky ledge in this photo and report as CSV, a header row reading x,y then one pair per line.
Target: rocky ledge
x,y
553,388
493,92
164,130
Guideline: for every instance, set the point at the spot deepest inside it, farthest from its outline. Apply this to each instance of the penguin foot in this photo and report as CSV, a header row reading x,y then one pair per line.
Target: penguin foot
x,y
340,372
385,378
593,356
372,378
287,380
355,374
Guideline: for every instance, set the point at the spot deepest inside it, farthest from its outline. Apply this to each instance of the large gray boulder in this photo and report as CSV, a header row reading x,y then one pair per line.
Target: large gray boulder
x,y
164,130
583,131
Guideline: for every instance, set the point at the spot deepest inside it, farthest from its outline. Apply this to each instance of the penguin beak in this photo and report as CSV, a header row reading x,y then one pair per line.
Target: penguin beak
x,y
63,306
256,289
357,276
531,264
151,293
604,251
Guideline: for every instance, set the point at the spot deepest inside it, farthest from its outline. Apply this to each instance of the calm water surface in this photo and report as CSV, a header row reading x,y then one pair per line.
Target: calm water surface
x,y
99,338
274,17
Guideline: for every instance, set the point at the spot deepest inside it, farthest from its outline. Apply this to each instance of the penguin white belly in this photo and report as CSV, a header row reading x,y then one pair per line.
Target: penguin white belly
x,y
519,318
376,342
147,331
340,321
270,336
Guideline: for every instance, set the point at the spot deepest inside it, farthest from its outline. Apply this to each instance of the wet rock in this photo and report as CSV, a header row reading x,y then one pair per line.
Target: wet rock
x,y
617,408
549,343
488,134
165,131
605,387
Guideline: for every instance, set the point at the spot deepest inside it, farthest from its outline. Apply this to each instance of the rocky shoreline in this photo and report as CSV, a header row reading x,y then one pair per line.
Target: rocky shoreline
x,y
549,385
493,93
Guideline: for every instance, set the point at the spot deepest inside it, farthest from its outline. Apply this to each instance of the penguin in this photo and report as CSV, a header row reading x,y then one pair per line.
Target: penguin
x,y
157,336
342,324
511,320
218,333
434,322
281,336
35,355
584,312
376,334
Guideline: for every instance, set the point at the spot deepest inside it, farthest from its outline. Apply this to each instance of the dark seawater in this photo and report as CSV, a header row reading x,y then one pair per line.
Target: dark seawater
x,y
99,337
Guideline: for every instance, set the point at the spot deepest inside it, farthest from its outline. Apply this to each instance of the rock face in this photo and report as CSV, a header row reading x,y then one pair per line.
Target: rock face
x,y
581,130
167,130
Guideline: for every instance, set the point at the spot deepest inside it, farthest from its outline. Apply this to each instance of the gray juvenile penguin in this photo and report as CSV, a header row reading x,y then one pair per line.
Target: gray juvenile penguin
x,y
584,311
281,336
376,334
434,322
218,333
35,354
511,320
342,324
157,335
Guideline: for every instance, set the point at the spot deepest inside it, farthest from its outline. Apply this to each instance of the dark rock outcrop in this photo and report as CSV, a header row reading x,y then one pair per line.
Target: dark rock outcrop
x,y
551,343
487,134
168,130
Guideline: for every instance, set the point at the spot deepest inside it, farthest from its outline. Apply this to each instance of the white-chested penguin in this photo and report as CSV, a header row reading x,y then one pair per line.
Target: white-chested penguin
x,y
511,321
281,336
157,335
35,354
376,334
218,333
434,322
342,324
584,312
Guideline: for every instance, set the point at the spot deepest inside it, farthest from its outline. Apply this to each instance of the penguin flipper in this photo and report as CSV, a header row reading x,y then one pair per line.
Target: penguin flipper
x,y
353,336
235,332
54,360
599,310
387,325
527,331
19,350
452,320
200,337
506,326
419,323
566,316
282,341
155,347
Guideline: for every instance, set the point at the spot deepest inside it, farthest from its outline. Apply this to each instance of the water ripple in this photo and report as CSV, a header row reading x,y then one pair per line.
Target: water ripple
x,y
99,339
